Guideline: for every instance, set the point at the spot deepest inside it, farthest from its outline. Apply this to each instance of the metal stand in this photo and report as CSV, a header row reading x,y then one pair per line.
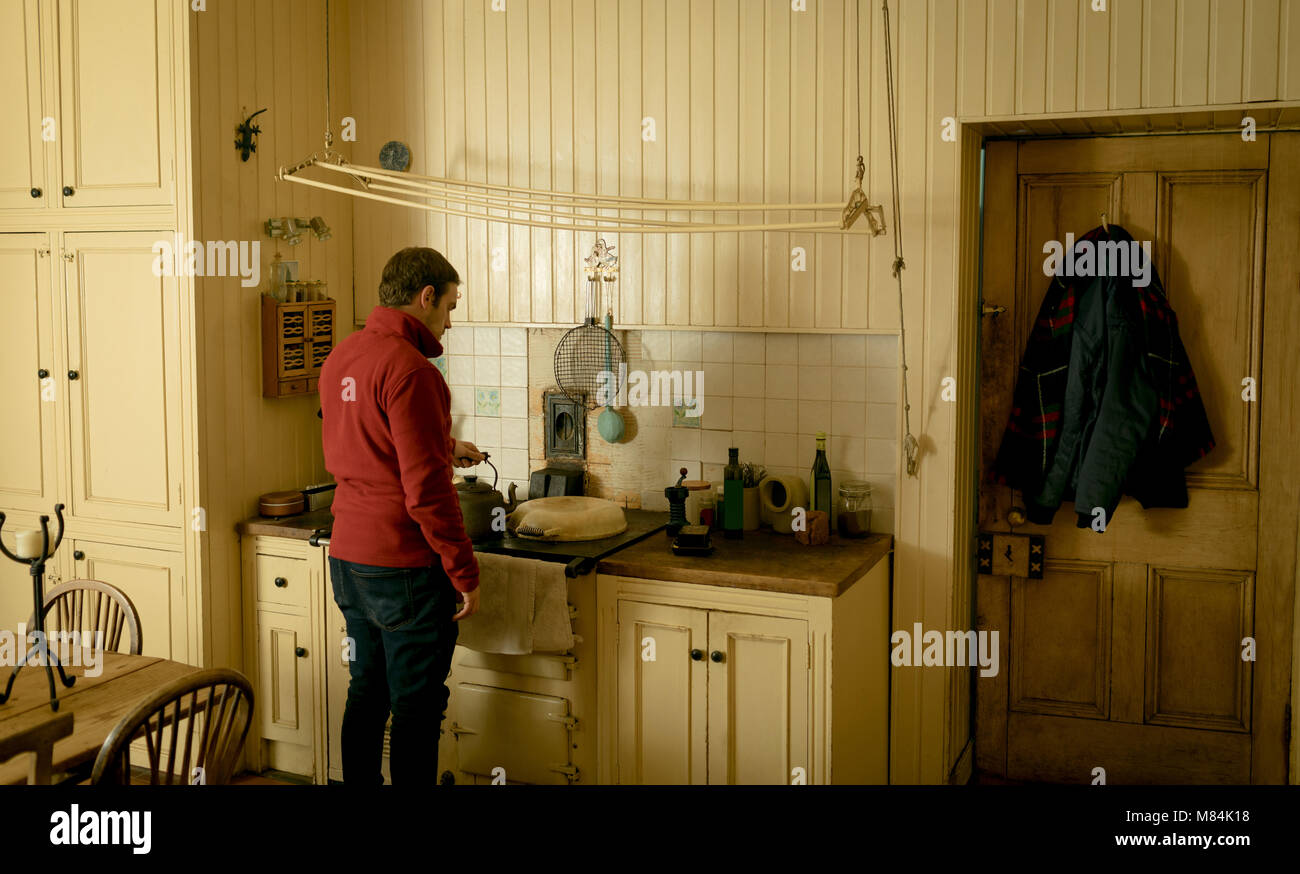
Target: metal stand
x,y
42,646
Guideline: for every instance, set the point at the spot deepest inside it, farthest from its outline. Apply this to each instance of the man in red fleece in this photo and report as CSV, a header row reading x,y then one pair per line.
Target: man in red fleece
x,y
398,550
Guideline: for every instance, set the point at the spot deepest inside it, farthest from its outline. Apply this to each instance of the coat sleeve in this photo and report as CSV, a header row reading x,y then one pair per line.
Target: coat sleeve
x,y
420,420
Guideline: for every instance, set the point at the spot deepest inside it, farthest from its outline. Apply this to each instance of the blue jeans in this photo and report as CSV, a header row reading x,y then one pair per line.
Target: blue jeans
x,y
400,621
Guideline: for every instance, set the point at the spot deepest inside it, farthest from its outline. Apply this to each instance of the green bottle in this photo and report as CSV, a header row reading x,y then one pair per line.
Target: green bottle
x,y
733,494
821,478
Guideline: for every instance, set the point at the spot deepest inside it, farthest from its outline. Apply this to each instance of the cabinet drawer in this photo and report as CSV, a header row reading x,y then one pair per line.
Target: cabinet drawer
x,y
283,580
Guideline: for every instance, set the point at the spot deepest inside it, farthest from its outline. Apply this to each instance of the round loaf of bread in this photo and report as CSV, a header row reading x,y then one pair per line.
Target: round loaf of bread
x,y
567,518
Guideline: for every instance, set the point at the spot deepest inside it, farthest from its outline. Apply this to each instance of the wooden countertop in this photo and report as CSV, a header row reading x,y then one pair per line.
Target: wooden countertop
x,y
761,560
300,527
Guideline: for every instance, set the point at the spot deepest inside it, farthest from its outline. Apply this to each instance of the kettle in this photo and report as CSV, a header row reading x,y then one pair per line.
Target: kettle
x,y
478,505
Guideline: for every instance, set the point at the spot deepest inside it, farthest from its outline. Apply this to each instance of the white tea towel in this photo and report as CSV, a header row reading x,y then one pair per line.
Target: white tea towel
x,y
552,627
504,620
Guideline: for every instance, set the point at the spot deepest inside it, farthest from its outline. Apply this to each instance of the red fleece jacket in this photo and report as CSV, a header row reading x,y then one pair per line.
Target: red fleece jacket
x,y
386,414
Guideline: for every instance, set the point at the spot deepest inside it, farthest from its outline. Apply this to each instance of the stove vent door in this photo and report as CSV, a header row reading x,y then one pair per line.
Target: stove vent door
x,y
530,736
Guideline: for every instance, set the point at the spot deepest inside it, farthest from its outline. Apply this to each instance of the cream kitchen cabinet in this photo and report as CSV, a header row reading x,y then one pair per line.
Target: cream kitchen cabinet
x,y
92,103
704,684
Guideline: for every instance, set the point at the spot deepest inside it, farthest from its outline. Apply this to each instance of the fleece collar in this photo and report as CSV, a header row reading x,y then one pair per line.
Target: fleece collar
x,y
386,320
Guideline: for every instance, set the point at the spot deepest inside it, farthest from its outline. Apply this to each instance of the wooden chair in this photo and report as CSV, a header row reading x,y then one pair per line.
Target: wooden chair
x,y
91,606
198,721
40,740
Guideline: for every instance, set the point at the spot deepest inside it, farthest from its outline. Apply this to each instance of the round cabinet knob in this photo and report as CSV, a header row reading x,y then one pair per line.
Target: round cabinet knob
x,y
74,375
281,582
78,555
717,655
300,651
36,193
68,191
43,373
697,654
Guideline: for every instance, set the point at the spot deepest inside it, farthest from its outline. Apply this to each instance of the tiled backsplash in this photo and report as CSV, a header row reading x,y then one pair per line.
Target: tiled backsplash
x,y
487,370
767,394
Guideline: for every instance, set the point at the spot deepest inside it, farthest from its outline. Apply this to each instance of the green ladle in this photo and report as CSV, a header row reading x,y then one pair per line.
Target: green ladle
x,y
609,423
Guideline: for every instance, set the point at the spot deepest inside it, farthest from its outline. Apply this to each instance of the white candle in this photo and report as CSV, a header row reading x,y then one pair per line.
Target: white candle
x,y
27,544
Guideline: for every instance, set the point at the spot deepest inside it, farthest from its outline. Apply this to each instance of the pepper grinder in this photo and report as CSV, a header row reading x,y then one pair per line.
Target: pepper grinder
x,y
676,495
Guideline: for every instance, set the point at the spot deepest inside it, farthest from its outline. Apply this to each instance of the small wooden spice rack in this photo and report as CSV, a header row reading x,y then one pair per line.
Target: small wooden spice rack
x,y
296,338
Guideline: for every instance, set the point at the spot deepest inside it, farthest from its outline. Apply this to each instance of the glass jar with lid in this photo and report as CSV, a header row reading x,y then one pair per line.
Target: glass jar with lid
x,y
854,509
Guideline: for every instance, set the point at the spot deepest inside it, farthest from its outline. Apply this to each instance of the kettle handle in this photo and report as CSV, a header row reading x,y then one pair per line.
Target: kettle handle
x,y
486,456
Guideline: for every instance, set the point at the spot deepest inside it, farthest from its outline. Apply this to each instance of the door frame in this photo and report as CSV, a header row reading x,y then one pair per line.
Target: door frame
x,y
1271,762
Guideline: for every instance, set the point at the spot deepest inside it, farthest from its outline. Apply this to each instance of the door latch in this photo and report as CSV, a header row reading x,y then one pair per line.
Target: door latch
x,y
1012,555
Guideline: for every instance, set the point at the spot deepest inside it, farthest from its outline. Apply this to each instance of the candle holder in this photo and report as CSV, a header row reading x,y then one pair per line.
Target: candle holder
x,y
42,646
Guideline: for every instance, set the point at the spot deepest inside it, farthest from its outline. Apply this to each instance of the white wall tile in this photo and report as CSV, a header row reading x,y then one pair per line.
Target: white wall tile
x,y
814,416
781,381
849,454
750,444
712,472
657,345
782,349
849,384
882,456
882,350
814,383
748,348
514,372
747,414
883,385
462,401
514,433
781,415
882,421
687,346
748,380
514,403
849,350
487,341
487,370
462,428
717,379
814,349
459,340
460,369
654,444
487,430
779,450
514,341
713,446
716,347
848,419
514,463
685,443
717,413
675,469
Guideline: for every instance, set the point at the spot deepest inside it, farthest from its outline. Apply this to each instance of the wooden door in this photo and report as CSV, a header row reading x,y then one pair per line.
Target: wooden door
x,y
122,378
662,702
758,699
284,688
116,93
28,450
1127,655
22,155
154,580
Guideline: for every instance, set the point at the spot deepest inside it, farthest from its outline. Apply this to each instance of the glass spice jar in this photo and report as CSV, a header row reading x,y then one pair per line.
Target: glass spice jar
x,y
854,509
707,508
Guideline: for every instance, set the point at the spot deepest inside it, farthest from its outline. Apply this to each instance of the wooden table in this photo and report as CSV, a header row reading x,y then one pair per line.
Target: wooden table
x,y
97,704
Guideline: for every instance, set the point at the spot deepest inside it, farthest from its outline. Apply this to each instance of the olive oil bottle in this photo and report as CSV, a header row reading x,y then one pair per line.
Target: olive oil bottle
x,y
820,493
733,492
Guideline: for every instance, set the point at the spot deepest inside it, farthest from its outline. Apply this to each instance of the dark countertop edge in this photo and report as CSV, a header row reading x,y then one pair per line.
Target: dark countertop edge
x,y
761,582
299,527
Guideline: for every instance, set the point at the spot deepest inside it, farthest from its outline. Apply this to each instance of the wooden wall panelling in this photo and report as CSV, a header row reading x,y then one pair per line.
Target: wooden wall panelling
x,y
1289,52
518,238
454,136
1192,49
1262,34
804,137
776,158
1126,54
1062,55
1159,32
1226,34
882,299
726,153
1000,57
750,184
498,264
540,241
702,171
827,254
854,301
1031,57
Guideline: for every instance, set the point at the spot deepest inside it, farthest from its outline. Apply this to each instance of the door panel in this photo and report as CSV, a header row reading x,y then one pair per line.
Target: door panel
x,y
758,699
154,581
124,345
662,710
22,158
1128,653
284,689
116,102
27,440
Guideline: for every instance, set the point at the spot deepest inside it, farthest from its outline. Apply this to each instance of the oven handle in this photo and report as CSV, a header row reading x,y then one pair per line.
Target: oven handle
x,y
579,567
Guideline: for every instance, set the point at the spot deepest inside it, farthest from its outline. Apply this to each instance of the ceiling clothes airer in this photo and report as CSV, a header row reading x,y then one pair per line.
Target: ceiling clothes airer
x,y
553,210
1106,403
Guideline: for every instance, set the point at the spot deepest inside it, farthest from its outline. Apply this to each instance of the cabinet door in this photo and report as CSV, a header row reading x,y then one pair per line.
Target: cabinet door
x,y
661,701
284,693
22,157
27,438
122,379
118,137
758,699
154,580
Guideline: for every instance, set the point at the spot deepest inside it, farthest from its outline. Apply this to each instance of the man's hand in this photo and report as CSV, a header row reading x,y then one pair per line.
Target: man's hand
x,y
466,454
469,607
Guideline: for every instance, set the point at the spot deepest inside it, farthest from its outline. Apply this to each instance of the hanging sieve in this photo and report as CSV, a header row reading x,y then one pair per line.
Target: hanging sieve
x,y
588,350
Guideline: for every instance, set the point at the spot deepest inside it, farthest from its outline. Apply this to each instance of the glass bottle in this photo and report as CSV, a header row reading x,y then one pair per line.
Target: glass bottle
x,y
820,493
854,510
733,487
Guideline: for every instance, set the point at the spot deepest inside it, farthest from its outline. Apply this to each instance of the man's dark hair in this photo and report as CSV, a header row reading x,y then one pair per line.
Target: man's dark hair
x,y
411,270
